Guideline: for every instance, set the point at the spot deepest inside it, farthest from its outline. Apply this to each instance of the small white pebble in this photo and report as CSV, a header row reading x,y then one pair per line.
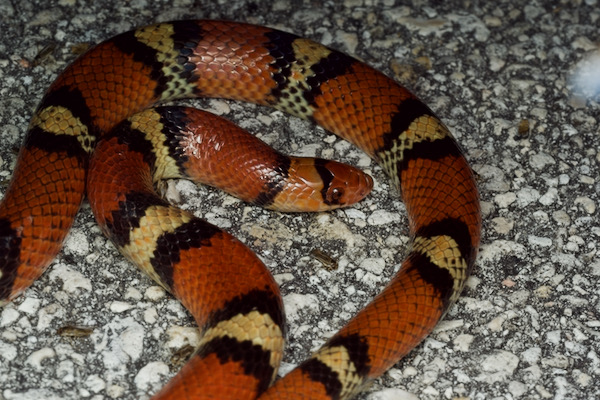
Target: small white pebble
x,y
95,383
132,340
155,293
588,204
133,293
8,352
150,315
29,306
463,342
120,306
553,337
505,199
179,336
561,217
9,316
151,374
539,241
36,358
383,217
392,394
498,366
502,225
374,265
532,356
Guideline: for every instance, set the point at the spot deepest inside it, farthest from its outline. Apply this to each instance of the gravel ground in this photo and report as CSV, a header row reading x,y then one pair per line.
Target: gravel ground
x,y
509,79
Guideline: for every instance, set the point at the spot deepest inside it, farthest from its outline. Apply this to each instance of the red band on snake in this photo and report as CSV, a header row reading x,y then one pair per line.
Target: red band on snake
x,y
242,321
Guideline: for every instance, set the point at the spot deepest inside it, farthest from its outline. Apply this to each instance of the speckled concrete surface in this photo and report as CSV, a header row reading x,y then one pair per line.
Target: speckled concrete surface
x,y
501,75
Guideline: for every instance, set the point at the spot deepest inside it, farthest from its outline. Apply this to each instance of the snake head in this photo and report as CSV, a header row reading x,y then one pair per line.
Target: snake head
x,y
315,184
343,184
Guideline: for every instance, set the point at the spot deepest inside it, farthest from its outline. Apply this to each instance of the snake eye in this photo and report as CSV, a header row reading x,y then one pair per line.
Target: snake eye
x,y
336,195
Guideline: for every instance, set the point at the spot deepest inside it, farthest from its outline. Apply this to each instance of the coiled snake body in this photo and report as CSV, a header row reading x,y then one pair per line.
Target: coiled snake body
x,y
226,288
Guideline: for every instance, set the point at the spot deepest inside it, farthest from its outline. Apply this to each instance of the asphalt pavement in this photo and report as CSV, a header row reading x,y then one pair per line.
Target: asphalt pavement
x,y
518,84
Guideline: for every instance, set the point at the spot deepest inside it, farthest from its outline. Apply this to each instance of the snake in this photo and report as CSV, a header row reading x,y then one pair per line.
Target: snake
x,y
71,150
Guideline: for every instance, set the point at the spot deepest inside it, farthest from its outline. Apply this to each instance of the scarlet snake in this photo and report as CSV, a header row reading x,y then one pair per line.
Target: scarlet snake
x,y
243,62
